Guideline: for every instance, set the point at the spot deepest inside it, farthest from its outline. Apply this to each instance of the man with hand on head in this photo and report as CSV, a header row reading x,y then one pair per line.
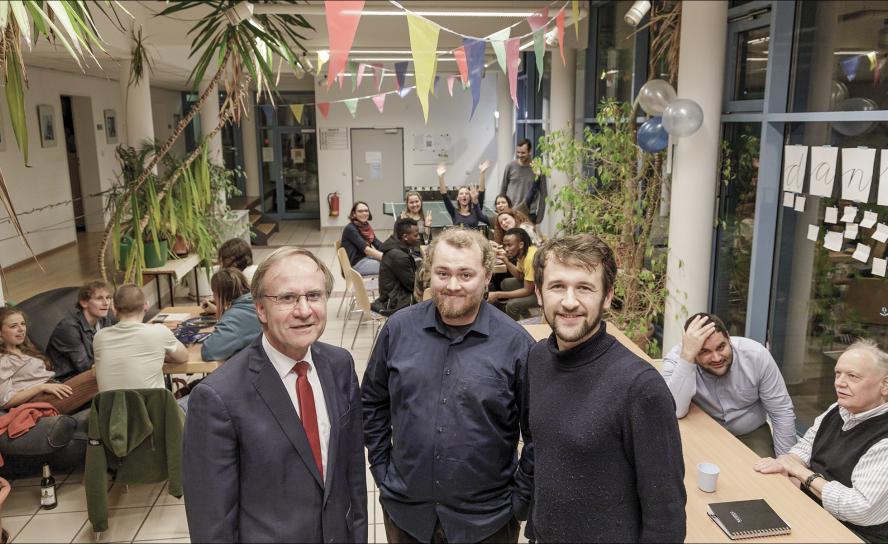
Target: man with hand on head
x,y
733,379
272,448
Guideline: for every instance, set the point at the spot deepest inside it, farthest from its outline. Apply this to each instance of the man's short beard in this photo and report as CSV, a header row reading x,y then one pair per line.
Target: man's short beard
x,y
584,329
447,312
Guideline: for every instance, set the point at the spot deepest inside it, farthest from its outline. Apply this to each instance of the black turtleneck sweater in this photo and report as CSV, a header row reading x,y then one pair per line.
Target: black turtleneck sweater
x,y
608,462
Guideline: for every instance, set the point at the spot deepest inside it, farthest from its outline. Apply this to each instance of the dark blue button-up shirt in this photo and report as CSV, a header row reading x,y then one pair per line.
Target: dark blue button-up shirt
x,y
442,420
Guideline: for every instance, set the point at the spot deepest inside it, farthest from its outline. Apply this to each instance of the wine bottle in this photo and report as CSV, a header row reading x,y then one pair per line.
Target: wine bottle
x,y
48,499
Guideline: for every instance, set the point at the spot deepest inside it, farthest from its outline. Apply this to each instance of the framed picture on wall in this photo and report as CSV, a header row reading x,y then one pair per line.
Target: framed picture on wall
x,y
46,118
111,126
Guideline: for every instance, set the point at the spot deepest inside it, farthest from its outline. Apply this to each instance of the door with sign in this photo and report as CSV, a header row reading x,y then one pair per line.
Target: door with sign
x,y
377,156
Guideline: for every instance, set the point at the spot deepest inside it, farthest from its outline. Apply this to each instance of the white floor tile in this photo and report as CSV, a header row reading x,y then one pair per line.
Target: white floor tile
x,y
165,499
14,524
70,497
123,524
22,501
52,528
377,534
164,522
137,495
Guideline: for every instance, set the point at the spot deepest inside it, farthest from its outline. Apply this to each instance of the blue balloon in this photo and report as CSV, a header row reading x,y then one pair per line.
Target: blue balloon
x,y
652,137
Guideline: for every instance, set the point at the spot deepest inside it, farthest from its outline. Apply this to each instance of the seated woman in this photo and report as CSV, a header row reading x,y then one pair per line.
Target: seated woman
x,y
238,325
26,374
360,242
469,212
234,253
842,460
500,204
510,219
423,219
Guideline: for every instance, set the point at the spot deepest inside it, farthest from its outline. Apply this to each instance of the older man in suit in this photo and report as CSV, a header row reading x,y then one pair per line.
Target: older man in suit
x,y
273,440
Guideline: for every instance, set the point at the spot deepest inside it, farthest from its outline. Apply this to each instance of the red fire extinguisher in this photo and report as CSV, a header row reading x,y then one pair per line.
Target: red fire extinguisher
x,y
333,203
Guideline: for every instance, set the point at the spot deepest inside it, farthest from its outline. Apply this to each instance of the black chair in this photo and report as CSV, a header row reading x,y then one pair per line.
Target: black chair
x,y
45,311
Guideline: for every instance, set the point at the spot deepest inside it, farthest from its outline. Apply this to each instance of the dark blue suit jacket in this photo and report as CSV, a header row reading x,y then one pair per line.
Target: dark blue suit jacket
x,y
247,467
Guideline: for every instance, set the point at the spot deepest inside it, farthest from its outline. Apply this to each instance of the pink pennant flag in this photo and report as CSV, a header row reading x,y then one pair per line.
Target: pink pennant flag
x,y
538,20
378,72
513,59
379,100
324,108
559,23
362,67
450,80
343,17
341,78
462,64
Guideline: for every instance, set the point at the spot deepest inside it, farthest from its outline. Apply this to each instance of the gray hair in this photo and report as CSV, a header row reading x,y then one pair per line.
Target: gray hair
x,y
880,358
257,287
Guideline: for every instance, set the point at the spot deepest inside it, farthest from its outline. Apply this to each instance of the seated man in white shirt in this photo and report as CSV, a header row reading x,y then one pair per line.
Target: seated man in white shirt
x,y
733,379
130,354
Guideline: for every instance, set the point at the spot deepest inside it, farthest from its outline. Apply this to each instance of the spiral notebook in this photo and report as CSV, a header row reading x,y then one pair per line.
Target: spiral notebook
x,y
747,519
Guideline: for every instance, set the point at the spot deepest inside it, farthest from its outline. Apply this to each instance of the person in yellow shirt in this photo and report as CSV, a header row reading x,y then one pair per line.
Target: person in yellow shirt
x,y
517,297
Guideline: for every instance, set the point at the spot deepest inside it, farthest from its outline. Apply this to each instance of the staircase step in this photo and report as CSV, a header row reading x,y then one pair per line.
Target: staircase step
x,y
243,202
255,217
266,228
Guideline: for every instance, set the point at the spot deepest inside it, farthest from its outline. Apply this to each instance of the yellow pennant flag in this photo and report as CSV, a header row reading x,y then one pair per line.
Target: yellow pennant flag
x,y
423,43
297,111
575,9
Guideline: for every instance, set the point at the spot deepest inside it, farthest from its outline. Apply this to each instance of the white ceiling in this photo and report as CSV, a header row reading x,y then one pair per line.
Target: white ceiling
x,y
169,44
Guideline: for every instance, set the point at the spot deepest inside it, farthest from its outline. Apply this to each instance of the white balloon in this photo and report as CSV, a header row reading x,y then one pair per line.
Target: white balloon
x,y
854,128
654,96
682,117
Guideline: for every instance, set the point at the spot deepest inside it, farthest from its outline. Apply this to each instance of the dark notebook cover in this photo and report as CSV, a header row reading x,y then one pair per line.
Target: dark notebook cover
x,y
747,519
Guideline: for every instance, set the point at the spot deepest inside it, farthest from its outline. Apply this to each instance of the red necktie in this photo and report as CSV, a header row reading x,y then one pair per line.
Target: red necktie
x,y
308,413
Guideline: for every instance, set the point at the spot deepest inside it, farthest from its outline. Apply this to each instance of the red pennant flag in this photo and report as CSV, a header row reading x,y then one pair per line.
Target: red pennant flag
x,y
324,108
343,17
450,80
379,100
513,59
538,20
362,67
462,64
559,23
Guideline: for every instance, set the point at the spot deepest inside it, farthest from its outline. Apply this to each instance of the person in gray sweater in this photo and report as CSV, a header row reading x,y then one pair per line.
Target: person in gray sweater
x,y
238,325
608,463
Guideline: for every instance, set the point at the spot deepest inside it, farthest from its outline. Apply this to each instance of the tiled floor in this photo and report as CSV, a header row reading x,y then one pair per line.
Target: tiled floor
x,y
147,513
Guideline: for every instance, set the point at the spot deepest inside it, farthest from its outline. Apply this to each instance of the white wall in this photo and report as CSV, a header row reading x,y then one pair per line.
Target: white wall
x,y
473,141
164,105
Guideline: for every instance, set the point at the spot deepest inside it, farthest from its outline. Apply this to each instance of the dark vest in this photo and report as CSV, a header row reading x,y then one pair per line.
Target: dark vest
x,y
835,453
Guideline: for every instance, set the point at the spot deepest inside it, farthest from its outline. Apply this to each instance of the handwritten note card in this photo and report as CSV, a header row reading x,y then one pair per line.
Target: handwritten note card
x,y
833,241
823,170
849,215
879,266
881,234
795,159
883,178
869,219
851,231
857,173
832,215
800,203
813,232
789,199
862,253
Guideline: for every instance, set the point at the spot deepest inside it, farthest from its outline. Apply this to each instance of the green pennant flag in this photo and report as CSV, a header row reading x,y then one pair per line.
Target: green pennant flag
x,y
352,105
539,51
353,70
498,41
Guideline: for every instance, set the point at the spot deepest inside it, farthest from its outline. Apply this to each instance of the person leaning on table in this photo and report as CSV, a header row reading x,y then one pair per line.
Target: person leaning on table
x,y
842,461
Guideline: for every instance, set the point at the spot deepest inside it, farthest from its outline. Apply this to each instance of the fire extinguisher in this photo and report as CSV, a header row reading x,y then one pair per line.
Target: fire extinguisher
x,y
333,203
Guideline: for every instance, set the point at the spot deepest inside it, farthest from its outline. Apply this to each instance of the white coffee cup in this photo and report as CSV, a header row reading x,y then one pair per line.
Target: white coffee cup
x,y
707,476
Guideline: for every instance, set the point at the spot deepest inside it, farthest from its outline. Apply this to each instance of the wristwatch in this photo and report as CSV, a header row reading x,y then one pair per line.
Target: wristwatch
x,y
810,479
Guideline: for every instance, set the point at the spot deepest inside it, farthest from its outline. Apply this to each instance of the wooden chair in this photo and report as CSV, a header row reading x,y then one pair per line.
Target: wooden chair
x,y
344,265
362,303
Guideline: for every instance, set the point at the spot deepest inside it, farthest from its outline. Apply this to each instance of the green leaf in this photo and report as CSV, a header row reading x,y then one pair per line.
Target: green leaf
x,y
15,101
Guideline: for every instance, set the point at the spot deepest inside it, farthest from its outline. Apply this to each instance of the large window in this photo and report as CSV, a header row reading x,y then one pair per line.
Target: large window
x,y
533,99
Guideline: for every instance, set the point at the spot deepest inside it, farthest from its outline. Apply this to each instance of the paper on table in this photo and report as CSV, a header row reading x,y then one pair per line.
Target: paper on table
x,y
789,199
163,318
833,241
851,231
869,219
813,232
832,215
850,214
862,253
800,203
881,234
879,266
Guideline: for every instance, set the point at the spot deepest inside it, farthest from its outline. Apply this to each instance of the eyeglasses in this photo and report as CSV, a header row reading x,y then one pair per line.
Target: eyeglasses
x,y
289,300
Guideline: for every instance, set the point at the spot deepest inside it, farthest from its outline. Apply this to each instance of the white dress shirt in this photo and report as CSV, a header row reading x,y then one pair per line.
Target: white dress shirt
x,y
284,366
866,501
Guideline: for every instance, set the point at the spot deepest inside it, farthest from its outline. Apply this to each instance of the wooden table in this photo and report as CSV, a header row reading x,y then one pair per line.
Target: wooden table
x,y
195,364
704,440
174,270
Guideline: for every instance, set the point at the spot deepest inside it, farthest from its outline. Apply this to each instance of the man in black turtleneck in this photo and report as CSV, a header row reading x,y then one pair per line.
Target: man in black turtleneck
x,y
608,462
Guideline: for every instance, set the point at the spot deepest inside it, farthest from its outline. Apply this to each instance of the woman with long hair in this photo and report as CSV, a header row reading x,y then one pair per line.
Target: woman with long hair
x,y
238,324
234,253
510,219
360,242
414,210
468,211
26,374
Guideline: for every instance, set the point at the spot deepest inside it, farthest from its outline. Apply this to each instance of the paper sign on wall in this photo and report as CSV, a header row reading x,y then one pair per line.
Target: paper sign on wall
x,y
883,178
869,220
373,157
267,154
881,234
851,231
833,241
800,203
789,199
879,266
832,215
850,214
862,253
813,232
823,170
795,159
857,173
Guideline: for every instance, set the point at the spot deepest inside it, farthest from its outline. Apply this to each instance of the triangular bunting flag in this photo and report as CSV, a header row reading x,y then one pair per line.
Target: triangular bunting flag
x,y
475,59
435,85
575,8
849,66
460,55
353,71
513,59
378,71
379,100
343,17
341,78
405,91
352,105
539,19
450,84
559,23
297,111
539,51
424,45
324,108
498,41
361,68
400,72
